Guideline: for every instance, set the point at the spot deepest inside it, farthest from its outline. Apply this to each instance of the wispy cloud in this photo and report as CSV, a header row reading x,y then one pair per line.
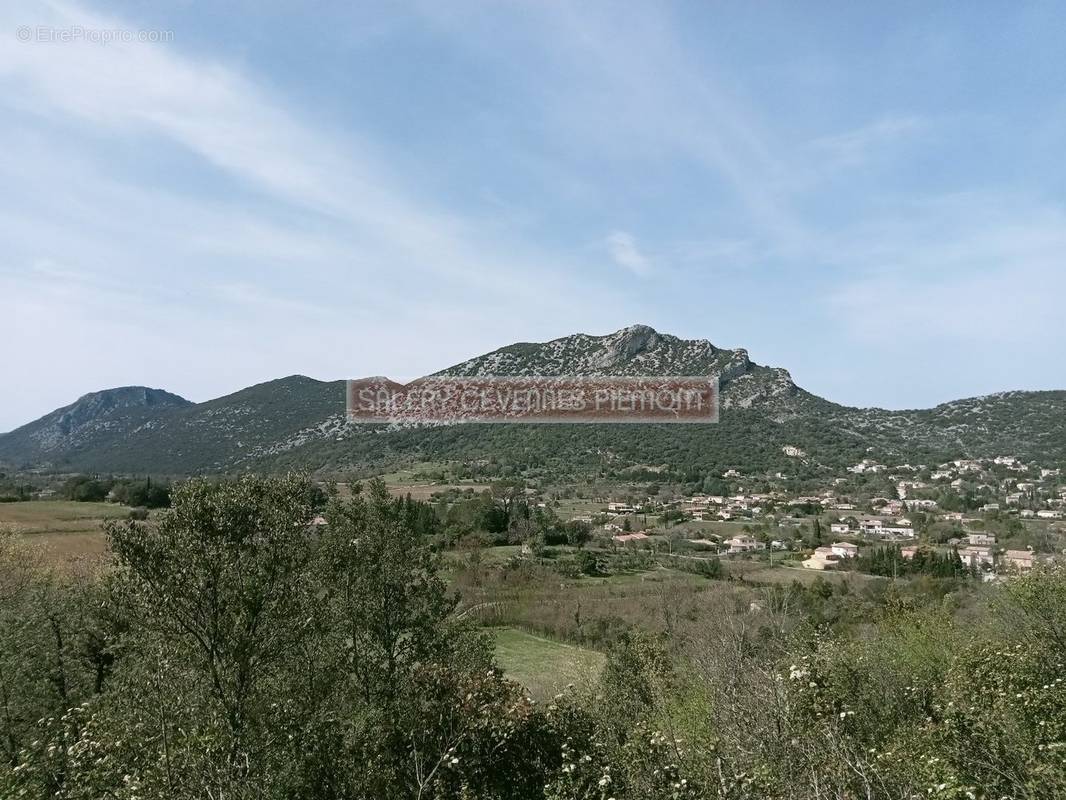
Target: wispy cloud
x,y
670,101
288,238
855,147
234,124
635,93
623,249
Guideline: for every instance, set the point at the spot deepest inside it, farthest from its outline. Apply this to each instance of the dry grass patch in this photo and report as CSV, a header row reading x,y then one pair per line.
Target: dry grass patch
x,y
62,531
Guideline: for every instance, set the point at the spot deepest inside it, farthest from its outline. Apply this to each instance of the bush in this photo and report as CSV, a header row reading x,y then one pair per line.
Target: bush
x,y
141,493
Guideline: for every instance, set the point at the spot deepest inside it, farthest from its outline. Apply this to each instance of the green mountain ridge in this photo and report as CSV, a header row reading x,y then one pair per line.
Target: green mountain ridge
x,y
299,423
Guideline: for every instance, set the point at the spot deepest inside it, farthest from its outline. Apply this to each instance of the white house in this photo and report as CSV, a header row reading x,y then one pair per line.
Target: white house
x,y
892,507
977,556
823,558
896,532
844,549
871,526
744,544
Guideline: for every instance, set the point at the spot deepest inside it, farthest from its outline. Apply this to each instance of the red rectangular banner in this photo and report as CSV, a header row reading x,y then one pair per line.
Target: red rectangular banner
x,y
496,399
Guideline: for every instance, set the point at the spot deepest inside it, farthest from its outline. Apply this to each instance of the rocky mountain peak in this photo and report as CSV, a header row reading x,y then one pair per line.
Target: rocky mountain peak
x,y
628,342
92,414
638,350
94,405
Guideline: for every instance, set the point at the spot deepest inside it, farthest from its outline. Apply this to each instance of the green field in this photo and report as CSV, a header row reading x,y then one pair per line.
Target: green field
x,y
574,507
543,666
780,574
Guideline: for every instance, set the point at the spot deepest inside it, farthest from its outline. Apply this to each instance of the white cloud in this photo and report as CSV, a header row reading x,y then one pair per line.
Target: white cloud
x,y
856,147
623,249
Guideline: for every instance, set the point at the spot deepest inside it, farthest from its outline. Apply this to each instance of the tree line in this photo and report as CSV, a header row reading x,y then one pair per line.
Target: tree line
x,y
138,492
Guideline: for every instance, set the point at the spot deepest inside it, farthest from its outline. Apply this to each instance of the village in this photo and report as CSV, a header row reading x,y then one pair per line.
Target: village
x,y
996,516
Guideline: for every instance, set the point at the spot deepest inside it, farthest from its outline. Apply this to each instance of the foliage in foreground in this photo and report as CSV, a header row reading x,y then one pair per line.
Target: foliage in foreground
x,y
236,650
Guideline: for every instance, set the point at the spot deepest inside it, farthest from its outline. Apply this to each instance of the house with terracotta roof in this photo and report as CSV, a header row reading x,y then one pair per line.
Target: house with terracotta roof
x,y
1020,560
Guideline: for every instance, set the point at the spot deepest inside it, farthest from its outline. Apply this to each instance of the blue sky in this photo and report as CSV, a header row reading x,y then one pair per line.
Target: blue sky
x,y
870,196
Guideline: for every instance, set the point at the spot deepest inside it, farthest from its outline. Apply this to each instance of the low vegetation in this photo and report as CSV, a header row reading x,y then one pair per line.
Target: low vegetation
x,y
237,649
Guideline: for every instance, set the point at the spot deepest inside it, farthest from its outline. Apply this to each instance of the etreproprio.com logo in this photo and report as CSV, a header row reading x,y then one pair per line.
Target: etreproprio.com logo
x,y
70,34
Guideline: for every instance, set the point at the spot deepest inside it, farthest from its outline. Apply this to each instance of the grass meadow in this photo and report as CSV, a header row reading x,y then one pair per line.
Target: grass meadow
x,y
543,666
62,531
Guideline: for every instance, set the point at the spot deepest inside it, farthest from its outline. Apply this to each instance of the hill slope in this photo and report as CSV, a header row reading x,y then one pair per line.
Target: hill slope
x,y
298,422
214,436
89,424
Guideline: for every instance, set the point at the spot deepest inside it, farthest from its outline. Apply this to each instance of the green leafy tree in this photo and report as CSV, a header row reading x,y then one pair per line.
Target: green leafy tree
x,y
218,597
